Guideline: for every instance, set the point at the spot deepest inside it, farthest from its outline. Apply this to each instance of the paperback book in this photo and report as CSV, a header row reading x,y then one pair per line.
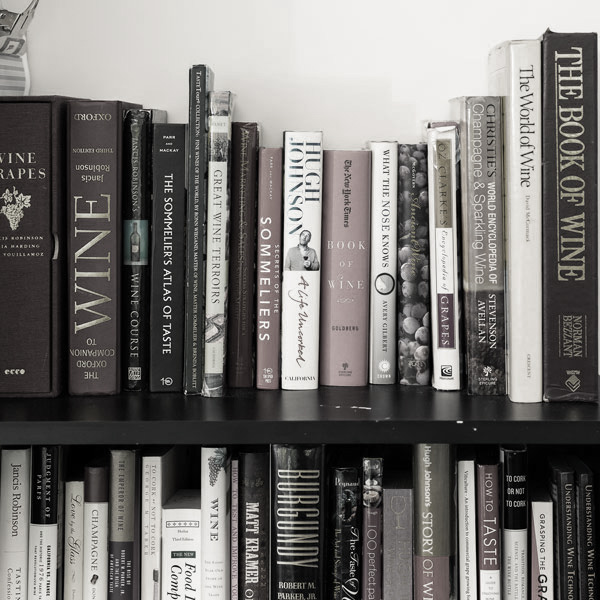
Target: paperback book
x,y
467,529
73,543
541,574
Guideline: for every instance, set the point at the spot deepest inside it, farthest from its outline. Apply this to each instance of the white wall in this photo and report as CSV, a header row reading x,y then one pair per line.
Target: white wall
x,y
357,69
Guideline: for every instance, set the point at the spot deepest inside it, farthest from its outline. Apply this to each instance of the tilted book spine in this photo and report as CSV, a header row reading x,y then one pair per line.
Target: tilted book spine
x,y
414,289
216,286
254,524
372,532
515,74
514,522
301,279
434,559
167,302
344,534
15,486
444,267
94,257
384,261
297,481
467,530
268,268
489,502
570,216
201,79
95,532
235,527
73,543
482,218
542,548
344,336
240,306
215,482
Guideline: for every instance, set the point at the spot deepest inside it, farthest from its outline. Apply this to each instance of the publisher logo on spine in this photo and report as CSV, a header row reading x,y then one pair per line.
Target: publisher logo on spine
x,y
446,371
573,382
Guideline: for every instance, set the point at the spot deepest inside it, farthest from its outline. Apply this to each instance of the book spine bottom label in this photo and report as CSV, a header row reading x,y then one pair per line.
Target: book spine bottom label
x,y
490,585
515,564
43,561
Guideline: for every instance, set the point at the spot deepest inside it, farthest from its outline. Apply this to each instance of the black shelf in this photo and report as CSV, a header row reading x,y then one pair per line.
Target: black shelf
x,y
371,415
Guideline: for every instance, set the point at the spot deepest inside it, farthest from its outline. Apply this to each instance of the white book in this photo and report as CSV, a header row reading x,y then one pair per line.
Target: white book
x,y
158,485
215,483
515,73
542,547
384,260
301,277
467,530
73,543
444,264
15,485
217,242
95,532
181,546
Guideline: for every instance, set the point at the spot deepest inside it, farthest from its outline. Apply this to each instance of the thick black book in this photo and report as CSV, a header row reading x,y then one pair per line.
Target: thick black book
x,y
32,246
242,253
95,189
344,534
167,296
137,191
570,215
200,83
297,522
254,524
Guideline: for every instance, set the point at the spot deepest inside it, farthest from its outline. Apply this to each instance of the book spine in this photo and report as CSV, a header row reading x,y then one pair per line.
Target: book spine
x,y
15,486
467,530
136,249
167,302
254,525
73,543
43,525
570,216
215,474
95,532
344,535
297,562
94,258
240,307
235,528
217,243
489,501
482,218
268,268
383,263
124,526
201,79
542,548
433,561
514,523
515,73
301,278
414,291
443,236
398,509
585,500
372,534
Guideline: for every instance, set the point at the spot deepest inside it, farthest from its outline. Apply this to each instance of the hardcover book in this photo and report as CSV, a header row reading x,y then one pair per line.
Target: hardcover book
x,y
372,528
15,487
414,289
344,336
216,287
73,542
344,534
482,219
515,73
398,507
570,216
444,243
235,526
167,298
32,214
383,264
301,278
268,268
297,540
137,191
433,466
201,78
515,524
541,574
181,546
95,190
467,529
240,305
